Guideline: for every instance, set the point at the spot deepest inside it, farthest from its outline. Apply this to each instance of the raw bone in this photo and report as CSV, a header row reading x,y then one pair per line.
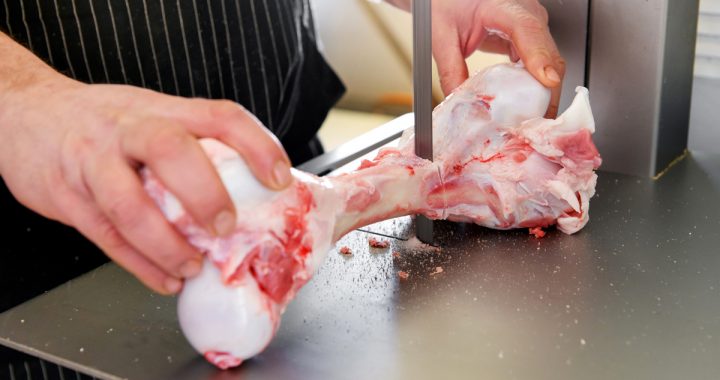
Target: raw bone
x,y
497,164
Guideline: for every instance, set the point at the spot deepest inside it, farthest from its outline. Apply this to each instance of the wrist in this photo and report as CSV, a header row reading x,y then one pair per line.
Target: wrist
x,y
20,67
26,82
21,105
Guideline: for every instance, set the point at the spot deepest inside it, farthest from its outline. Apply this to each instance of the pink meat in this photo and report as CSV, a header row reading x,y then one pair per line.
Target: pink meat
x,y
497,163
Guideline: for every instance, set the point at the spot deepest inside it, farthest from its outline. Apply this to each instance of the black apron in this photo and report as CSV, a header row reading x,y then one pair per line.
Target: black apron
x,y
260,53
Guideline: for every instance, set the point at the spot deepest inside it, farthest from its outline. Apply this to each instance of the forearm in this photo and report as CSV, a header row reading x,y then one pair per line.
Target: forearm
x,y
20,69
21,74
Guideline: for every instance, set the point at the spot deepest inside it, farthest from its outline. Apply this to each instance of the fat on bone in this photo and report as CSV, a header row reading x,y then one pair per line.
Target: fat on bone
x,y
498,163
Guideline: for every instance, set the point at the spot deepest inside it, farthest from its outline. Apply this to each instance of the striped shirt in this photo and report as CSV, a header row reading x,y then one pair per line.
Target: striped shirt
x,y
262,54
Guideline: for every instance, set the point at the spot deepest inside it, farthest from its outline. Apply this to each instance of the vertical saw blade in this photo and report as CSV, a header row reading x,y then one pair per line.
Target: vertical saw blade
x,y
422,96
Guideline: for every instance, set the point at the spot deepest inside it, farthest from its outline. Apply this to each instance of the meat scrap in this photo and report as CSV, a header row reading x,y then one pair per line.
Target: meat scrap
x,y
403,275
375,243
345,250
538,232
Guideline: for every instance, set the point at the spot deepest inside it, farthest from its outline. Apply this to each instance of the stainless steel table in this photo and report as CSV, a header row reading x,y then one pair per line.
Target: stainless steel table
x,y
635,295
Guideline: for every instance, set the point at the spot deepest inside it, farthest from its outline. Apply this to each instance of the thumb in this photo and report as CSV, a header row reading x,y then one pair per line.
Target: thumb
x,y
531,39
450,60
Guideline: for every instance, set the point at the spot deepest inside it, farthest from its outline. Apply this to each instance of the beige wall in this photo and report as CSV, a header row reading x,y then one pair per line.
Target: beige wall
x,y
707,61
357,39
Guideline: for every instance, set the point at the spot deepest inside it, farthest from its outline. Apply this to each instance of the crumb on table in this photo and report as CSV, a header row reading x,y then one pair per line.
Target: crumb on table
x,y
438,270
345,250
396,254
403,275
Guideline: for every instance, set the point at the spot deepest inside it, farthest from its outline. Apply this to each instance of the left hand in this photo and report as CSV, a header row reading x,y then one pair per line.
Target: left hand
x,y
518,28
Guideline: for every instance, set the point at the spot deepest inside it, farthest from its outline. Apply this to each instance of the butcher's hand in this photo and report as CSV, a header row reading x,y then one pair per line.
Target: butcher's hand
x,y
71,152
518,28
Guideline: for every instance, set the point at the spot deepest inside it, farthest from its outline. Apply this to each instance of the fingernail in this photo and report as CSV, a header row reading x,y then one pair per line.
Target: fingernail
x,y
173,285
551,74
281,175
191,268
224,223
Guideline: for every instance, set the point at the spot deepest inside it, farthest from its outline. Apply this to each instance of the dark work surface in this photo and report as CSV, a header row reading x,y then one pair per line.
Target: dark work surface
x,y
37,254
634,295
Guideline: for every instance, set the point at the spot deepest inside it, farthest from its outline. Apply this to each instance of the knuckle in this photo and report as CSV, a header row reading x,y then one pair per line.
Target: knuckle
x,y
167,142
220,131
124,210
226,113
169,261
538,57
531,24
444,81
447,74
214,201
445,84
542,13
109,235
225,109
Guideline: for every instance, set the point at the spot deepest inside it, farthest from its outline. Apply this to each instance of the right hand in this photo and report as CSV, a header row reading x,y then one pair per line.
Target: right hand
x,y
517,28
71,152
462,26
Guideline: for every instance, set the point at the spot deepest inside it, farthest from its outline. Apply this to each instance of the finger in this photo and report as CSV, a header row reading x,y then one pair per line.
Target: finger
x,y
514,56
535,8
556,92
552,111
496,45
93,225
533,43
112,243
180,163
120,196
450,60
235,126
